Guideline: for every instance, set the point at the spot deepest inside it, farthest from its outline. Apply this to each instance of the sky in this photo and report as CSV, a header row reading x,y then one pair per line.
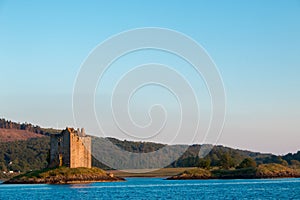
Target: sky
x,y
254,44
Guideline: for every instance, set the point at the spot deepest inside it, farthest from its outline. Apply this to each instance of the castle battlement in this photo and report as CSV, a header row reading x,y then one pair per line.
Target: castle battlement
x,y
71,148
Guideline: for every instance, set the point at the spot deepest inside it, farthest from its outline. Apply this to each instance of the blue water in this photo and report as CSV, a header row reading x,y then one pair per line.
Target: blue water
x,y
157,188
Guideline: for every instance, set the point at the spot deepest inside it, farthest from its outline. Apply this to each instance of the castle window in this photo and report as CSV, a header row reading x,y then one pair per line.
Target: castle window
x,y
59,141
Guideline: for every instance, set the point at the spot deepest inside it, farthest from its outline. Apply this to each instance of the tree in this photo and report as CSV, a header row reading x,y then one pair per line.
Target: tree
x,y
246,163
226,161
204,163
295,163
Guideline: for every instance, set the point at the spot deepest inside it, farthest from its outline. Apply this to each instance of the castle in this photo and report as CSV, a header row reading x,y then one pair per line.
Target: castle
x,y
71,148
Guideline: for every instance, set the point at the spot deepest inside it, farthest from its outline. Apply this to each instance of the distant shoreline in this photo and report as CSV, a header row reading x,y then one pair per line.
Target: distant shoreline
x,y
261,172
264,171
64,175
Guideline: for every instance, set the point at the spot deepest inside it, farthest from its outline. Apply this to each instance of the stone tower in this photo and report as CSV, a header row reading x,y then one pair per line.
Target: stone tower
x,y
70,148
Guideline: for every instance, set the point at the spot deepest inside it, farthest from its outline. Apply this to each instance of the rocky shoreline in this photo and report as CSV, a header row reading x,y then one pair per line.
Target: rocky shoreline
x,y
64,176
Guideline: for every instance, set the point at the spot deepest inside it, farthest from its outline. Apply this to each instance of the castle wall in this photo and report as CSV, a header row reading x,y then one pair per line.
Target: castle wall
x,y
54,151
80,151
60,147
65,146
74,151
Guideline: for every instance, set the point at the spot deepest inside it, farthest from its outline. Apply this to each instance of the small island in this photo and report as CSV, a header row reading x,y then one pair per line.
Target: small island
x,y
70,162
271,170
64,175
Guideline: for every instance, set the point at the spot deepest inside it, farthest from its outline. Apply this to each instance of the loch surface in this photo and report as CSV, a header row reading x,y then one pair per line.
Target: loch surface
x,y
157,188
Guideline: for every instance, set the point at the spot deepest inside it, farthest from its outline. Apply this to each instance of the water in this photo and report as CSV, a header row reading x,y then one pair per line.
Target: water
x,y
157,188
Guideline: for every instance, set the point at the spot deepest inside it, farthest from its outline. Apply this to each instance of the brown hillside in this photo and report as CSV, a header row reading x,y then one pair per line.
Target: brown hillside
x,y
9,135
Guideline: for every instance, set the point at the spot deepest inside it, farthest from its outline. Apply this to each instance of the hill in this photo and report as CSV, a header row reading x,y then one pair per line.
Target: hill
x,y
15,126
9,135
33,153
24,155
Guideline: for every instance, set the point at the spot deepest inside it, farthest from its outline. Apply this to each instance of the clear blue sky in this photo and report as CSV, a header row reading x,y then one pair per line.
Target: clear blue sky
x,y
255,44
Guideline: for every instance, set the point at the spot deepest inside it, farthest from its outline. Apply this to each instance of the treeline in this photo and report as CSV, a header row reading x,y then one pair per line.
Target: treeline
x,y
136,147
219,156
225,158
7,124
292,159
32,154
24,155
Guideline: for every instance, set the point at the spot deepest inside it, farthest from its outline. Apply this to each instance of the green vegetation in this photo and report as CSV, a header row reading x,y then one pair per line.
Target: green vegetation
x,y
272,170
195,173
221,157
24,155
199,173
32,154
61,171
275,170
246,163
136,147
64,175
226,161
234,173
292,159
204,163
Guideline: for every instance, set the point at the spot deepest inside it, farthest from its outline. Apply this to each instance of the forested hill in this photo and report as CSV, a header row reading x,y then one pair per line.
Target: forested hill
x,y
32,154
7,124
219,156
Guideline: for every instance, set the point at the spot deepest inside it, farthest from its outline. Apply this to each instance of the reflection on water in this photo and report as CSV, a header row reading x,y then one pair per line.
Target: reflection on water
x,y
77,186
